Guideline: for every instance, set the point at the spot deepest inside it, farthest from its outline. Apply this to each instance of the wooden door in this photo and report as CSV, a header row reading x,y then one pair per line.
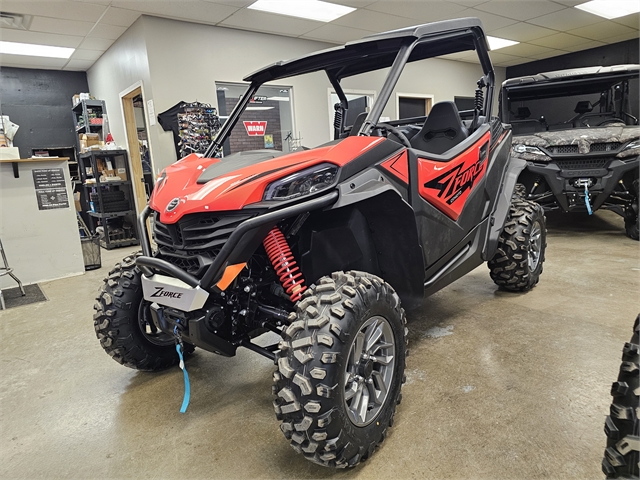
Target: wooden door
x,y
137,176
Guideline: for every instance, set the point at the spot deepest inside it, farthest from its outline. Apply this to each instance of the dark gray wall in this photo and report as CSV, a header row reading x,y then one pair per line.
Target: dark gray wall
x,y
39,101
614,54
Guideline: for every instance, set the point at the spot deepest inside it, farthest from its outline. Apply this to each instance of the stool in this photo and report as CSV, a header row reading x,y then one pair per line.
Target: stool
x,y
7,270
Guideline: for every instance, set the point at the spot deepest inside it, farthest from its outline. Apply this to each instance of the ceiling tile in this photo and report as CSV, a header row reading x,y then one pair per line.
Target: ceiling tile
x,y
548,54
24,61
632,20
457,55
270,23
621,38
522,32
489,20
97,2
523,50
569,3
559,41
469,3
82,11
111,32
336,34
83,54
233,3
584,46
423,11
520,10
497,57
58,25
53,39
601,30
353,3
94,43
120,17
195,11
567,19
514,61
374,21
78,65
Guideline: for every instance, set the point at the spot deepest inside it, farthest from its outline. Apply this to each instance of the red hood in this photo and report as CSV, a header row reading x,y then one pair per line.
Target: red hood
x,y
235,190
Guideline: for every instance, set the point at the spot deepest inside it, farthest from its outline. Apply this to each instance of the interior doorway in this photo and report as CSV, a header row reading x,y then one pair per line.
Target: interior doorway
x,y
137,141
410,105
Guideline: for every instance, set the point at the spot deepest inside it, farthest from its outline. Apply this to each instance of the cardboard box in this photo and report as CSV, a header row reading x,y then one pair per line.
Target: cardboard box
x,y
122,173
76,201
89,140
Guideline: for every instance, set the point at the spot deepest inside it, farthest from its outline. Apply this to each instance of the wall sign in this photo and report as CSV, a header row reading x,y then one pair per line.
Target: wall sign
x,y
51,188
255,128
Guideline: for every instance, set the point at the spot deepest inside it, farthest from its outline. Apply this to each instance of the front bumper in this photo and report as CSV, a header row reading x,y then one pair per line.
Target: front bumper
x,y
567,184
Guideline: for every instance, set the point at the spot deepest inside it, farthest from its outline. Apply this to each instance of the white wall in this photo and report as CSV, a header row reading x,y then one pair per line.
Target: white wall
x,y
180,61
40,244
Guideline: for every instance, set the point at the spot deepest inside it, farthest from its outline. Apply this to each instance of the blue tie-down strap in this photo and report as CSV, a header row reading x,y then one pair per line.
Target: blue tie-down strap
x,y
187,385
586,200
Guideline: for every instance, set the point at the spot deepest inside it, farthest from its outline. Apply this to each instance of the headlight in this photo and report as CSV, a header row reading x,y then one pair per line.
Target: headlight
x,y
634,144
305,182
527,149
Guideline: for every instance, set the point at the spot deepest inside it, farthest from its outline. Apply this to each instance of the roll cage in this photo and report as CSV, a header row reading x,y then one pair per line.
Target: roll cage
x,y
385,50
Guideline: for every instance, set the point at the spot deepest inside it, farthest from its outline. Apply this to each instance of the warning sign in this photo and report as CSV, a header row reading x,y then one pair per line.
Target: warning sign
x,y
255,128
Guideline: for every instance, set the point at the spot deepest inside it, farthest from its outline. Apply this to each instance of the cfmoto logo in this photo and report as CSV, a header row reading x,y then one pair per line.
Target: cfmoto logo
x,y
172,205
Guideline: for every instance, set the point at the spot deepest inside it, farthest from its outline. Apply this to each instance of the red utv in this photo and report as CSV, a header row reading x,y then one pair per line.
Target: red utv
x,y
327,246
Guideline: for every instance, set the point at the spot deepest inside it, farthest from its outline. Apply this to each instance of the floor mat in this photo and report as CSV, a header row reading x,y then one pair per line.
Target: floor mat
x,y
13,297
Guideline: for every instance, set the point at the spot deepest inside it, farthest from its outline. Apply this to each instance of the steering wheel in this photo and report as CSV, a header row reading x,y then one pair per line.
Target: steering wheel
x,y
390,128
610,120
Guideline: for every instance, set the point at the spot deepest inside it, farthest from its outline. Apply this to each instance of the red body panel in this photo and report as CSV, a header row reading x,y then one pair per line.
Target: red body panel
x,y
447,185
398,166
235,190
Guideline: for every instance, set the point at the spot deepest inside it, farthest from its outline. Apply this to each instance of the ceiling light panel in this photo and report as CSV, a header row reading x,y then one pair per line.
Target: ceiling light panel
x,y
495,43
611,8
309,9
33,50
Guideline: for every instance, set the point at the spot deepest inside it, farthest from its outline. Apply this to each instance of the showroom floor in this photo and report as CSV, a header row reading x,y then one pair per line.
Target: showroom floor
x,y
499,385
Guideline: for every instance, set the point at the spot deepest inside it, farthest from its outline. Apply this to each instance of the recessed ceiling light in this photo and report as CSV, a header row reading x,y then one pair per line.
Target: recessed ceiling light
x,y
310,9
495,43
611,8
32,50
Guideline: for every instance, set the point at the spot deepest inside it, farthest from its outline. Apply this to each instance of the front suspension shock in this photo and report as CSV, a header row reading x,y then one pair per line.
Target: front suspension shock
x,y
284,264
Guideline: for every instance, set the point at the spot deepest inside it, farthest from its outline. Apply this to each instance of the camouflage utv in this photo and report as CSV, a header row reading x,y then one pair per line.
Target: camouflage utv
x,y
579,135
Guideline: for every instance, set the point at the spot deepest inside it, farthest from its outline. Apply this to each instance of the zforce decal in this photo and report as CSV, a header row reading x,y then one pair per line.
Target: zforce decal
x,y
161,292
398,166
447,185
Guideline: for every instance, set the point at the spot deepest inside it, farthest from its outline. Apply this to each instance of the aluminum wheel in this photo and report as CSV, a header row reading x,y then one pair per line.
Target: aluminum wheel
x,y
369,371
535,246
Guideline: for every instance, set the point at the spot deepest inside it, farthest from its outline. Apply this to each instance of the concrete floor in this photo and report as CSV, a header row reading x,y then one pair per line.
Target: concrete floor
x,y
500,385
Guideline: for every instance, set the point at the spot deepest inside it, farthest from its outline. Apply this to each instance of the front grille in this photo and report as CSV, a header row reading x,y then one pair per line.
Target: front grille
x,y
193,242
605,147
563,149
583,163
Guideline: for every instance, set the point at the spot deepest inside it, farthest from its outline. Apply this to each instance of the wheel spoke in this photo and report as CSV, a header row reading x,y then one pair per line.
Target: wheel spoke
x,y
374,337
380,346
348,395
384,360
356,398
364,403
378,380
358,348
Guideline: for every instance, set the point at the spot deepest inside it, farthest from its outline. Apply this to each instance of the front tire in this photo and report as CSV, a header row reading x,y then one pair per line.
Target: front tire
x,y
622,426
517,264
123,325
631,217
341,369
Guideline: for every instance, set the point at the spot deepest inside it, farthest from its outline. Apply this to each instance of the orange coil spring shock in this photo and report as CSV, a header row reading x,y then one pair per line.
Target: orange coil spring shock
x,y
284,264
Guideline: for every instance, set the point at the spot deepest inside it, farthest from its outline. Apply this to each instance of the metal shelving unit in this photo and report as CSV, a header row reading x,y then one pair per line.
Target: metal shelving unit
x,y
119,227
86,111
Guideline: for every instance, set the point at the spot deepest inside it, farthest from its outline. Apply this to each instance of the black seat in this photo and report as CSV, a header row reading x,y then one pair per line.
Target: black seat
x,y
442,130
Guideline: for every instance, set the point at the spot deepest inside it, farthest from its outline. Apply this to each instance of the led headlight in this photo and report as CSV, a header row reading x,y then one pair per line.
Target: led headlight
x,y
634,144
305,182
527,149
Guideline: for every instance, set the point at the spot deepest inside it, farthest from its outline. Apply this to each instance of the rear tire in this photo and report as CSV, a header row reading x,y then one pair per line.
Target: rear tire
x,y
631,217
123,326
622,427
346,328
517,264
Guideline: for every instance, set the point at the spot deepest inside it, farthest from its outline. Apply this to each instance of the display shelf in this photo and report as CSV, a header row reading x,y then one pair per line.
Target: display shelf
x,y
122,223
